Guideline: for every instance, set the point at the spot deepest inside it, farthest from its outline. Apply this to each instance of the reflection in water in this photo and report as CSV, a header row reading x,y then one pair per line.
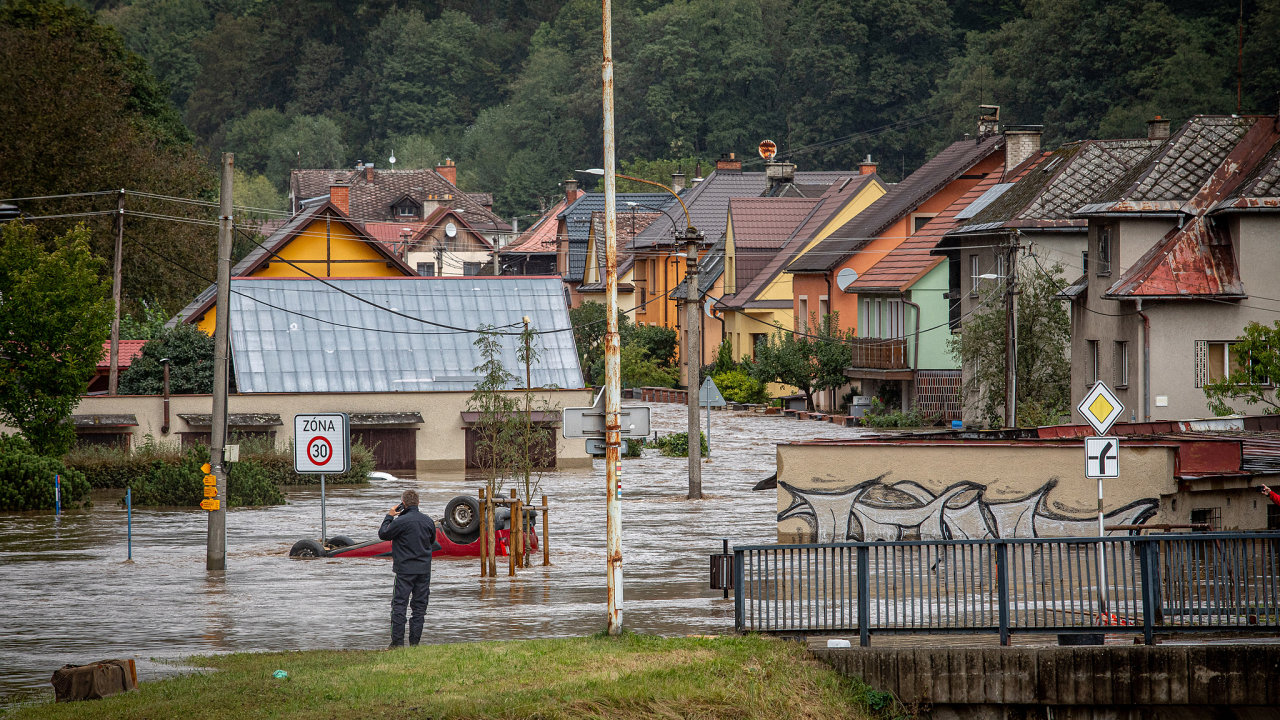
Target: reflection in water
x,y
69,597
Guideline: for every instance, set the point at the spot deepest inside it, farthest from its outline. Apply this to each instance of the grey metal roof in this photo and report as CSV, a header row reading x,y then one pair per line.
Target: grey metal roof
x,y
299,335
986,199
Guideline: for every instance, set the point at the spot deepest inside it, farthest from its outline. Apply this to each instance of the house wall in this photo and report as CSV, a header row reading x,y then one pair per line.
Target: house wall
x,y
325,249
452,265
440,439
1176,325
929,292
833,493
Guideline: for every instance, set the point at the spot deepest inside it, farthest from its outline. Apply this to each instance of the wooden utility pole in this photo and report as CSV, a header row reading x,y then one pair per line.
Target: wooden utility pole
x,y
693,358
1011,335
113,378
216,549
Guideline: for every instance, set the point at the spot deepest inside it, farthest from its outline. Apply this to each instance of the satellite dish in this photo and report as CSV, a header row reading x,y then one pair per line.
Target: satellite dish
x,y
768,149
706,306
392,159
451,230
845,278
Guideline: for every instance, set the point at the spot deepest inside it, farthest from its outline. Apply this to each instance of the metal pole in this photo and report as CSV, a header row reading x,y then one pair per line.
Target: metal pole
x,y
1010,335
324,530
57,496
128,504
1102,557
612,347
708,409
113,378
692,360
216,542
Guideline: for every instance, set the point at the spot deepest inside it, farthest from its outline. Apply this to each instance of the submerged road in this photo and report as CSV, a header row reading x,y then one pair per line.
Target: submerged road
x,y
69,596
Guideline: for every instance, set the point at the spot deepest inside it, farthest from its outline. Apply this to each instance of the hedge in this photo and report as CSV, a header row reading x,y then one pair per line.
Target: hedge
x,y
27,478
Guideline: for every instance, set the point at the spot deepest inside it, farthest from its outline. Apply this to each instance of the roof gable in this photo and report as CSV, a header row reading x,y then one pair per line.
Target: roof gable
x,y
374,192
1196,260
541,237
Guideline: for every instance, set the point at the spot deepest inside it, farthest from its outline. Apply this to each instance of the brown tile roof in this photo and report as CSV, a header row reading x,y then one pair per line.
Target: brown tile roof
x,y
1168,177
766,223
894,205
371,200
911,260
541,237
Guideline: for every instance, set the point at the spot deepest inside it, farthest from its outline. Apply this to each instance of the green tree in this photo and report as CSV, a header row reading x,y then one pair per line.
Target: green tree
x,y
309,141
588,321
258,195
1255,363
1044,339
811,360
145,323
414,152
190,354
55,311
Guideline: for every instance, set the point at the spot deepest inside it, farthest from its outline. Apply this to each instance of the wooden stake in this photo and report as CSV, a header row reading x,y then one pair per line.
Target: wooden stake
x,y
493,544
484,545
513,549
546,545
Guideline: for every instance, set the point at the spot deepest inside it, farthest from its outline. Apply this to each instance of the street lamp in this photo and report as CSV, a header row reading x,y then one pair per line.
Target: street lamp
x,y
692,356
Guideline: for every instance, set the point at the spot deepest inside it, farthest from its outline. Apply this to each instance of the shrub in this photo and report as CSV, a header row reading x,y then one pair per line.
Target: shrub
x,y
635,446
677,445
878,417
180,483
27,478
739,387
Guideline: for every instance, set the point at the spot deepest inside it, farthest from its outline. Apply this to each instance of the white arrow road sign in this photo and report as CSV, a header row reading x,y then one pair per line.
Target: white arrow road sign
x,y
1102,457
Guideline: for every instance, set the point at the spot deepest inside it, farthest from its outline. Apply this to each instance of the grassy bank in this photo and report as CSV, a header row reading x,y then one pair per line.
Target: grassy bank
x,y
635,676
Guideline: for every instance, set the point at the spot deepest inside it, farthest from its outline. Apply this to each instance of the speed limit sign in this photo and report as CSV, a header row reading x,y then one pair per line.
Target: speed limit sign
x,y
321,443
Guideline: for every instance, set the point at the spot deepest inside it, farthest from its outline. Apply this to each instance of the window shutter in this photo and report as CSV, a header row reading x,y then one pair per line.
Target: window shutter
x,y
1202,363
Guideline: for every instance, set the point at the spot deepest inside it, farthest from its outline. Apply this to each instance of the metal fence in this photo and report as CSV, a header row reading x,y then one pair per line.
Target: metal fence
x,y
1139,584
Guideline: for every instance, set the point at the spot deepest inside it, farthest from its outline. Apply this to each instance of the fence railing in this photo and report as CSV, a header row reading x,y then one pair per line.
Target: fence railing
x,y
880,353
1139,584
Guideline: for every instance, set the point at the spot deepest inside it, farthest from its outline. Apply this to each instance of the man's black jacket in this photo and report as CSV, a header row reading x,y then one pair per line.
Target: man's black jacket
x,y
412,536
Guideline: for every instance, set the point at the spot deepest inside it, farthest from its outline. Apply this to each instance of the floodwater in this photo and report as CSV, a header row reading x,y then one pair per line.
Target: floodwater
x,y
69,596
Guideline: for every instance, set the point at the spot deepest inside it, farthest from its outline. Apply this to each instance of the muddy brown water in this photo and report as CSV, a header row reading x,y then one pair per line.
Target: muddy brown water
x,y
68,596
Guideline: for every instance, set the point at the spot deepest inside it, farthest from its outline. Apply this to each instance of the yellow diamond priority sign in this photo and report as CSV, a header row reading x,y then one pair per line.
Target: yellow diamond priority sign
x,y
1100,407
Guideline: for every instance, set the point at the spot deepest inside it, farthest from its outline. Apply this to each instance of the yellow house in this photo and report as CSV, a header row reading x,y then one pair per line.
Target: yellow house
x,y
320,241
762,236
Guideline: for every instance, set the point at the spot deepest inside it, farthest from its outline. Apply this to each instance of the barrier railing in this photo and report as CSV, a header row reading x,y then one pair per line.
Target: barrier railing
x,y
1146,584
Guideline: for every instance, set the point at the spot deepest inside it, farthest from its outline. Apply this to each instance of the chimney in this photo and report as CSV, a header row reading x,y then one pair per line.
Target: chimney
x,y
340,195
368,172
570,191
1020,143
778,173
677,181
988,120
448,171
1158,128
728,163
867,167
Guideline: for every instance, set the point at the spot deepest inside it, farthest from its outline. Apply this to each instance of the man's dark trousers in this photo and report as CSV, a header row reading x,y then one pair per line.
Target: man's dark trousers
x,y
412,591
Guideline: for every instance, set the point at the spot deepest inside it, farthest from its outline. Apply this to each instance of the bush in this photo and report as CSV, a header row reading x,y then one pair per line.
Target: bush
x,y
878,417
635,446
739,387
677,445
27,478
181,483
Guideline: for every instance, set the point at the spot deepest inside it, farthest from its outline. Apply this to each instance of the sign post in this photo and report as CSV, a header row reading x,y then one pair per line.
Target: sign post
x,y
709,396
322,446
1101,408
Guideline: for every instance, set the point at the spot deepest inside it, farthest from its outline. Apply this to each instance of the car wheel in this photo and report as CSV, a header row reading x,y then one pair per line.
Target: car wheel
x,y
306,549
462,514
340,541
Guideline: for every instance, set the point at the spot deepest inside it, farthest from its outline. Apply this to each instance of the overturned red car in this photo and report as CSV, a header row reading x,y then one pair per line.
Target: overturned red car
x,y
457,534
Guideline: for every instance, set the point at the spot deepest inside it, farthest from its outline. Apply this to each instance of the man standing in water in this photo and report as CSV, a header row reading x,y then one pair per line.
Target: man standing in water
x,y
413,537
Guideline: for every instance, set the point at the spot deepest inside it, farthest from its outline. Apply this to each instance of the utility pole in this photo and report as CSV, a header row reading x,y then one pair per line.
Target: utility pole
x,y
612,345
1011,334
113,378
693,358
439,259
216,550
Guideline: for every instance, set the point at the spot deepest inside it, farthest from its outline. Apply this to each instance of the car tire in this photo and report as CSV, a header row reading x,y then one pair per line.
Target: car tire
x,y
341,541
307,548
462,515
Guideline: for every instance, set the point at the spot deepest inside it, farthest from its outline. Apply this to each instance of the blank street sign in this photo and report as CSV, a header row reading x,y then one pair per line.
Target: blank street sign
x,y
588,422
1102,457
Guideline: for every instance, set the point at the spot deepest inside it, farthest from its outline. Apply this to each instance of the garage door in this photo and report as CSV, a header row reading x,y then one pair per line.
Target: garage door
x,y
393,448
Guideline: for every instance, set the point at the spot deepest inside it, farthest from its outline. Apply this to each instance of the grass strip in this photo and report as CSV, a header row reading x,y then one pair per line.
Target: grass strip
x,y
632,676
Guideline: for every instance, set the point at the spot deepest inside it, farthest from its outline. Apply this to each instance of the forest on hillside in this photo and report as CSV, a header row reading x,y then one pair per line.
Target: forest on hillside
x,y
510,88
145,94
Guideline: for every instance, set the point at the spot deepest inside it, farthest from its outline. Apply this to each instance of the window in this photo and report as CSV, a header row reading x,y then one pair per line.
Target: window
x,y
824,308
470,268
894,321
1122,364
406,211
973,275
1216,360
1104,250
1084,261
953,292
1093,361
1273,516
919,221
1000,266
802,314
1211,516
427,269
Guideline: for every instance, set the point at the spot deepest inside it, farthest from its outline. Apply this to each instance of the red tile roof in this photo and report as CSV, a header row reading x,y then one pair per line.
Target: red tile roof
x,y
910,261
129,349
541,238
1195,260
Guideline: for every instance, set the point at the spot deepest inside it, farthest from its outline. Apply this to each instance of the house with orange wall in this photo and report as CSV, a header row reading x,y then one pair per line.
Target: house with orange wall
x,y
320,241
821,271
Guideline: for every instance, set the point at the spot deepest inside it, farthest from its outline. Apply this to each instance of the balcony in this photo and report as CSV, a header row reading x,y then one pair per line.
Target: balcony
x,y
880,353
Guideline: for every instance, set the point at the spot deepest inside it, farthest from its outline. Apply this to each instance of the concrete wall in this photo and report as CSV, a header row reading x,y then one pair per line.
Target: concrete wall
x,y
846,492
441,440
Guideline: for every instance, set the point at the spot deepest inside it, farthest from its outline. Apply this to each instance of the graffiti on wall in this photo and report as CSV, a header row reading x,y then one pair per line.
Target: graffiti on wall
x,y
876,510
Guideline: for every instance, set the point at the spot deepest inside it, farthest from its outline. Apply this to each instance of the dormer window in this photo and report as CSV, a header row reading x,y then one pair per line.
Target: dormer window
x,y
406,207
406,211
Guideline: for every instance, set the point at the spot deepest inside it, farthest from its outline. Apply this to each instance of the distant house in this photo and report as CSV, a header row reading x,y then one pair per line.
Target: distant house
x,y
129,349
322,241
630,298
1181,257
574,225
534,251
444,245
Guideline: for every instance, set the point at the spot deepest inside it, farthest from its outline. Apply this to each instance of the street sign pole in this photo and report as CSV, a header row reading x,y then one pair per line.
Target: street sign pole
x,y
324,532
1101,408
322,446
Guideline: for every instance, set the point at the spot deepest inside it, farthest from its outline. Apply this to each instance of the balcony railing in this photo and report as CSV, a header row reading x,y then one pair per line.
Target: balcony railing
x,y
880,353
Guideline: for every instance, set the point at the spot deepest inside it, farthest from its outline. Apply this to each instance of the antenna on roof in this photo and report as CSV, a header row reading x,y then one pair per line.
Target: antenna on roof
x,y
392,159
